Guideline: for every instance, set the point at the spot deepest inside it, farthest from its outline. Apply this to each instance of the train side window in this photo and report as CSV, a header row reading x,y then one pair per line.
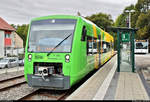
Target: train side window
x,y
95,49
112,45
104,47
108,46
89,46
83,33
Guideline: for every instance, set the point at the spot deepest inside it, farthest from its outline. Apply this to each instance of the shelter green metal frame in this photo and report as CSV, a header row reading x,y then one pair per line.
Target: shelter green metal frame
x,y
119,31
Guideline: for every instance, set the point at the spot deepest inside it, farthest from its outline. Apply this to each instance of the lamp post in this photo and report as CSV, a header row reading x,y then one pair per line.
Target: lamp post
x,y
130,11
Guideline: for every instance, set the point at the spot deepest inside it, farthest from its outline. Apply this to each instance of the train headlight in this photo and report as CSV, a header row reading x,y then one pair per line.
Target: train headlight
x,y
29,57
67,58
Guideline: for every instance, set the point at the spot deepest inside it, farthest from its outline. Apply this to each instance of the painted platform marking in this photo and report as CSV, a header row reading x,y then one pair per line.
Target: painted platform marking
x,y
103,89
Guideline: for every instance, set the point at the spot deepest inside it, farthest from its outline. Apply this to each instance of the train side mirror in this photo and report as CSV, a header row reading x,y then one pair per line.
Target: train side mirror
x,y
83,34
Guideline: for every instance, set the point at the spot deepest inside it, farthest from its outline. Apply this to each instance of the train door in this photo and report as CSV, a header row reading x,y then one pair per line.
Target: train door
x,y
83,55
95,53
90,58
99,49
102,49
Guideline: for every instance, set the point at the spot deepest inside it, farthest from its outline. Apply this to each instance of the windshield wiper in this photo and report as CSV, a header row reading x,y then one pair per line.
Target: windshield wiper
x,y
58,44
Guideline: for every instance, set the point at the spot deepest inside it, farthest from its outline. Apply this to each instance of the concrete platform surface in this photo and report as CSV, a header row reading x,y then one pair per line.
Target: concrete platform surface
x,y
106,81
130,87
89,89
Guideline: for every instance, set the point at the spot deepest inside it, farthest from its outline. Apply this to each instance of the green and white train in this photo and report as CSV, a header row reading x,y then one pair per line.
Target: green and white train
x,y
62,49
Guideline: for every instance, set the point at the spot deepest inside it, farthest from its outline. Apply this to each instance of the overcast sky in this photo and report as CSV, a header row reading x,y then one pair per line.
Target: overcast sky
x,y
22,11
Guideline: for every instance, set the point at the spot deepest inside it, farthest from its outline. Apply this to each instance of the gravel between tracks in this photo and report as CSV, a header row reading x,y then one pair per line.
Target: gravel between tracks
x,y
22,90
46,95
11,82
10,75
16,93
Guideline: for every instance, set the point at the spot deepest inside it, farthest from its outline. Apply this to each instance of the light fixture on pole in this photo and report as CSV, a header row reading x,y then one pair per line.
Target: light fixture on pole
x,y
130,11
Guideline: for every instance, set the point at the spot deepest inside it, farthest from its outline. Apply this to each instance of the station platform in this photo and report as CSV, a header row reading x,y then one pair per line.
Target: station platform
x,y
107,84
130,87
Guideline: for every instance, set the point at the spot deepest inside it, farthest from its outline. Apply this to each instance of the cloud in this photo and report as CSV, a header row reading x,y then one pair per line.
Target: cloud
x,y
22,11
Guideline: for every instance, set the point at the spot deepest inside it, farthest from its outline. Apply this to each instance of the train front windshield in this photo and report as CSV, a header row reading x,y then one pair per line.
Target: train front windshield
x,y
46,34
141,45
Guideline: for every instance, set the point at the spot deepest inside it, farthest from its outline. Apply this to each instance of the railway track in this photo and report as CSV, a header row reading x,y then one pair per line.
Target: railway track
x,y
43,94
11,82
18,85
14,77
18,82
14,88
26,93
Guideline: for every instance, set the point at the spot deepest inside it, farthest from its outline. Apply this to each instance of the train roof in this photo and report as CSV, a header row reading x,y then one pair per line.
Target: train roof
x,y
56,17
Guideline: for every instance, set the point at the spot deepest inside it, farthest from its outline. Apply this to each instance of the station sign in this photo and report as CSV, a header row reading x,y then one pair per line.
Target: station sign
x,y
125,37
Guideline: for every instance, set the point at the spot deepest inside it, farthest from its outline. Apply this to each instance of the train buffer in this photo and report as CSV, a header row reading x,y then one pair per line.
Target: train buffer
x,y
109,84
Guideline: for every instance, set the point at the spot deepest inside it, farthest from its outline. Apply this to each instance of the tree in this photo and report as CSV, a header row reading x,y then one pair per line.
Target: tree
x,y
122,20
101,20
142,6
143,24
22,31
14,26
139,19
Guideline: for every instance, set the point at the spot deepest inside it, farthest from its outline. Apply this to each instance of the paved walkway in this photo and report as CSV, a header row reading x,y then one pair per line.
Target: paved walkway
x,y
130,87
